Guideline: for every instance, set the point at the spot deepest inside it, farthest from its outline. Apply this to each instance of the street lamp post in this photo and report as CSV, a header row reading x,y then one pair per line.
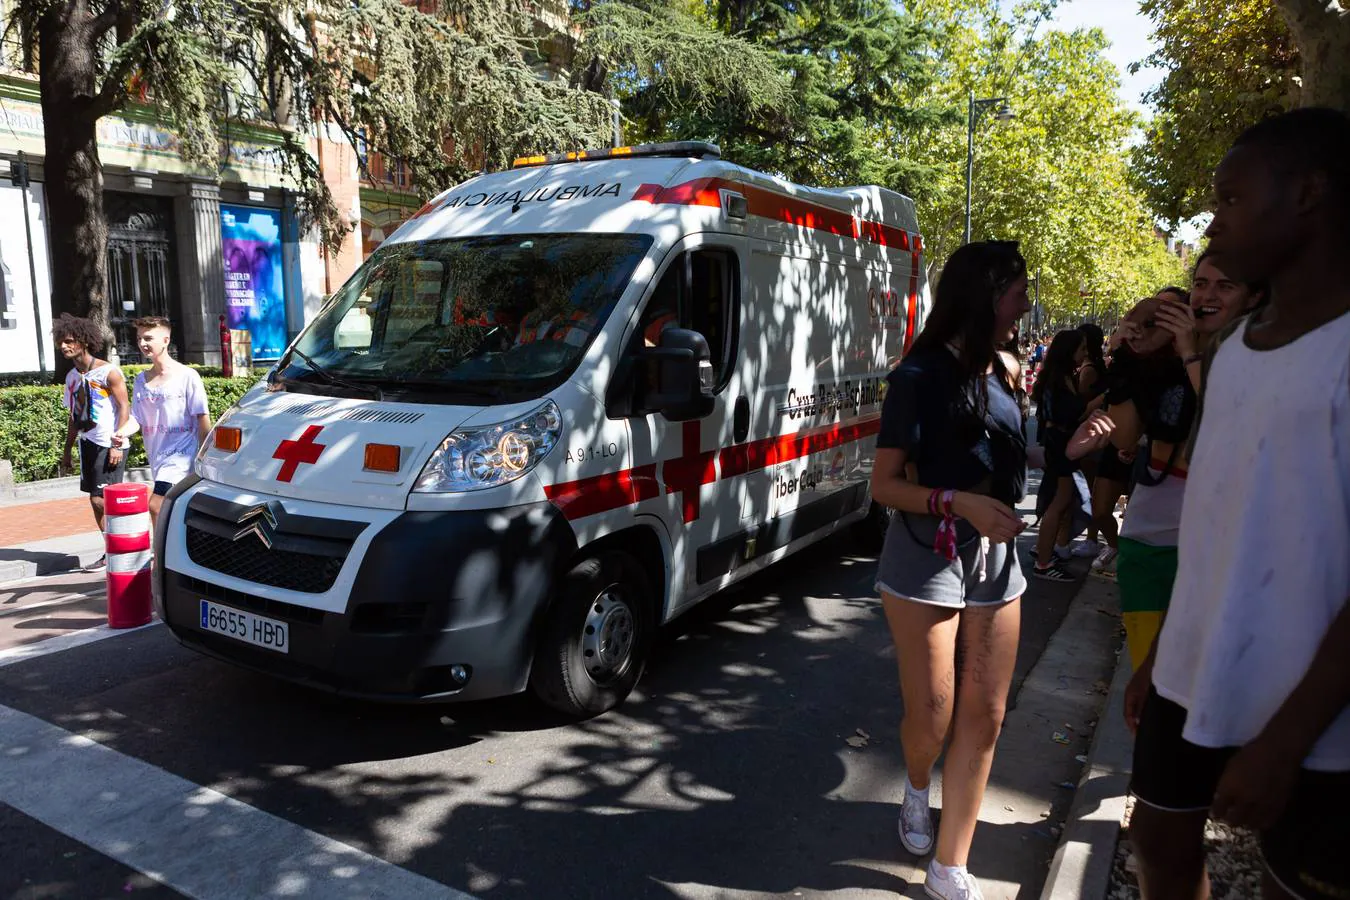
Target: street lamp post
x,y
1004,113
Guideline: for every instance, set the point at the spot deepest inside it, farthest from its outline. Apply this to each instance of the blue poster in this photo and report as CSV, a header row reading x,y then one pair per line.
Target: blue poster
x,y
255,293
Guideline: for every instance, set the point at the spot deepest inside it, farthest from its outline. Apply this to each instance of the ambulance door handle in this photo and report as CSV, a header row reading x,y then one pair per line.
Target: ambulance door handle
x,y
741,419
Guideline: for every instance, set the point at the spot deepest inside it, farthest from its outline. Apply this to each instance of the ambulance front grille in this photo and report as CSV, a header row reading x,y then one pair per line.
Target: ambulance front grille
x,y
253,561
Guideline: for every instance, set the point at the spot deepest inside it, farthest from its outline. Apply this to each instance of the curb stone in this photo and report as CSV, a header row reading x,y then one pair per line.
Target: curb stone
x,y
54,488
1081,867
55,557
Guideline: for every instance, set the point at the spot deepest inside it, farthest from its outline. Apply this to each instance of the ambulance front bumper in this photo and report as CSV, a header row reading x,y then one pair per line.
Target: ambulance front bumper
x,y
430,597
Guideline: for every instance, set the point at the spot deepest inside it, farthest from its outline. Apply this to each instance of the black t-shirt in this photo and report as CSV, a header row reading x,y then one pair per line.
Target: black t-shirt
x,y
929,412
1161,391
1061,406
1098,385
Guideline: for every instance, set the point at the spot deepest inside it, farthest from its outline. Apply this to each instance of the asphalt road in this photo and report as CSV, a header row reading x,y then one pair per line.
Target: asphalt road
x,y
728,774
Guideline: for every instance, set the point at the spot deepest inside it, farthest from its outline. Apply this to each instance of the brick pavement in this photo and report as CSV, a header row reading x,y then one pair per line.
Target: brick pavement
x,y
25,523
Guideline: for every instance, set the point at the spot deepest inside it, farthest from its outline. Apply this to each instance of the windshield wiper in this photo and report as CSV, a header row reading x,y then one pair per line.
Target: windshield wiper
x,y
489,390
330,378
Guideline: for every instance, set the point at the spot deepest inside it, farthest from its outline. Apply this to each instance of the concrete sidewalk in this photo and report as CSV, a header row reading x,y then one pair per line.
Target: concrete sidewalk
x,y
47,527
1081,868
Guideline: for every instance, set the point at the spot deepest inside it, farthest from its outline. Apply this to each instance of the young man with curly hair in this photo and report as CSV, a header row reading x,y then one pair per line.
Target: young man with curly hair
x,y
96,395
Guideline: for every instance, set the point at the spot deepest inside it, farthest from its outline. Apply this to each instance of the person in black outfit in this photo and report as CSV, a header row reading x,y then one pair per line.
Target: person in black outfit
x,y
951,460
1107,474
1059,409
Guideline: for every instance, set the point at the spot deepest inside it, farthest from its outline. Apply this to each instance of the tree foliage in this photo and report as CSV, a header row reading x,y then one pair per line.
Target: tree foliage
x,y
1229,64
841,77
1054,178
446,86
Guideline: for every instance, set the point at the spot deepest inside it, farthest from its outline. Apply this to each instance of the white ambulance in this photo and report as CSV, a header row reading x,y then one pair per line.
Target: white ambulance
x,y
557,408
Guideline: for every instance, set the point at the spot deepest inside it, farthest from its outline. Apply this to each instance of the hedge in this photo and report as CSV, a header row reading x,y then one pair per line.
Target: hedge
x,y
33,424
36,379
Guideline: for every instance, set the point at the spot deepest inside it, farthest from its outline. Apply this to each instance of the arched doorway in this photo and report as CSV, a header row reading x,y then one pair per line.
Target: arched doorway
x,y
140,267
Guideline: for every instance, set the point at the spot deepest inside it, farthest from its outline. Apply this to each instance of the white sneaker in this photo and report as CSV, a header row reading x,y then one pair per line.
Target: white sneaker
x,y
951,883
1105,559
1086,549
916,823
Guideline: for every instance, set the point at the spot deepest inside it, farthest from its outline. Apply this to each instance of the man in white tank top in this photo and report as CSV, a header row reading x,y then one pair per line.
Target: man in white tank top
x,y
96,396
1243,707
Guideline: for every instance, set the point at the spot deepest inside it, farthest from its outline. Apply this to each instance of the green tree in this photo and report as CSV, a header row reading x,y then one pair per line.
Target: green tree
x,y
448,86
1229,64
1055,178
846,75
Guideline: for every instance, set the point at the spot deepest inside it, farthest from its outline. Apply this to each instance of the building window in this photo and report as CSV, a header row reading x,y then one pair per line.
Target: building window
x,y
363,149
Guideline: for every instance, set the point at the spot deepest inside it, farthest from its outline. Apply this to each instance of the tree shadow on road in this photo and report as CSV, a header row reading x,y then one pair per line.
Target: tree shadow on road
x,y
729,773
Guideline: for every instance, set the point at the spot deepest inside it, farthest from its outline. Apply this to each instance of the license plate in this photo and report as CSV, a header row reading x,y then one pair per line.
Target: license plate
x,y
244,626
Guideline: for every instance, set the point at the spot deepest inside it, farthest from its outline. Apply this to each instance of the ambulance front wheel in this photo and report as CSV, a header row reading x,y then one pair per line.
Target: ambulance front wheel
x,y
594,644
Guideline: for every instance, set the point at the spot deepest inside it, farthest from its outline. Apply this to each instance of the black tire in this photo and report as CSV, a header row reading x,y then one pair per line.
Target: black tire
x,y
869,533
605,603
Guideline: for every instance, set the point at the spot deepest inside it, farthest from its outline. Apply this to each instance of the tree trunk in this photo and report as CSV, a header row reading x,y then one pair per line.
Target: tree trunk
x,y
78,232
1321,30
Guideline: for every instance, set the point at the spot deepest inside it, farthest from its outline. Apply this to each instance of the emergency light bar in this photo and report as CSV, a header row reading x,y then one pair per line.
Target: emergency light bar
x,y
700,149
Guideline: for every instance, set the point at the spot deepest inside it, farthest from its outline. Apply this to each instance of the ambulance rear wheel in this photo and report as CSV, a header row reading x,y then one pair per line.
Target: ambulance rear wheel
x,y
594,644
870,532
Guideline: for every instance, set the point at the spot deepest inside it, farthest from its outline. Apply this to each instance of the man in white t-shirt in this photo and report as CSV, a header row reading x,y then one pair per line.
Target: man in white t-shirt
x,y
1242,708
168,404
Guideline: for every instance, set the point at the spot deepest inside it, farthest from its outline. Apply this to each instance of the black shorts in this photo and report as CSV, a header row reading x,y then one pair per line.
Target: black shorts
x,y
1306,850
95,473
162,488
1111,467
1057,462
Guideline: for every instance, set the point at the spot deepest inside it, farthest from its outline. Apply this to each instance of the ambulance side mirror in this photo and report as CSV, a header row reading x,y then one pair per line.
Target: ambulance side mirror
x,y
684,375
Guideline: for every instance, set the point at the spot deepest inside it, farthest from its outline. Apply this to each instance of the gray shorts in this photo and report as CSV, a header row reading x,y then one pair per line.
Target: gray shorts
x,y
911,570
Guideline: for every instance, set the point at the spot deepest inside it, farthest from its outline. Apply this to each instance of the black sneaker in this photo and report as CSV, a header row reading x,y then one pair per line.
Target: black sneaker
x,y
101,565
1052,572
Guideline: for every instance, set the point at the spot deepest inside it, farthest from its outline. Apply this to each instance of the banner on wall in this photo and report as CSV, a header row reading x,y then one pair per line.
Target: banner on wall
x,y
255,293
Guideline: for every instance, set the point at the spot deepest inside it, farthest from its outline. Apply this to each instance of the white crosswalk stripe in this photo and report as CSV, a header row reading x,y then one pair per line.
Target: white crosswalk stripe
x,y
193,839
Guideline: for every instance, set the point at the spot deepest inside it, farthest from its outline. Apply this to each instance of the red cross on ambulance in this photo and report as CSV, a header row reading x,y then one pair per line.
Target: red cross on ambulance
x,y
293,453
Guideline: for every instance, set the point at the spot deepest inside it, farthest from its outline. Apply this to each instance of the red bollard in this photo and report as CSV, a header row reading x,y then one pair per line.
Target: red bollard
x,y
127,539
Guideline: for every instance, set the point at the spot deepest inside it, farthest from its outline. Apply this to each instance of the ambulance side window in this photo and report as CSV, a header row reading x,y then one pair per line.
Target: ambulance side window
x,y
663,308
699,291
715,309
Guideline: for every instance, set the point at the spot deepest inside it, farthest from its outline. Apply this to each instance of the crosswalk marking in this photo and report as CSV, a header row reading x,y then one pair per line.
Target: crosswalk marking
x,y
196,840
25,652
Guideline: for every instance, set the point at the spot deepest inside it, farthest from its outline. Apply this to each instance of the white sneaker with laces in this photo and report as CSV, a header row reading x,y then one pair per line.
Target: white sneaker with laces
x,y
916,823
951,883
1086,548
1105,558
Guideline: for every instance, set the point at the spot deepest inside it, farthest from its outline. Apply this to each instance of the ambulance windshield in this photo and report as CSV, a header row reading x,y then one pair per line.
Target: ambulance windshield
x,y
503,317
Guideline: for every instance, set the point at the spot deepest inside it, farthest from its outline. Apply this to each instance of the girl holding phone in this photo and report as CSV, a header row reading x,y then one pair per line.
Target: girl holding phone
x,y
948,573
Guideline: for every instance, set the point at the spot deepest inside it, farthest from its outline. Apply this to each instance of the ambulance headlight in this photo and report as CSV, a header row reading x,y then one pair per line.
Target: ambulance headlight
x,y
474,459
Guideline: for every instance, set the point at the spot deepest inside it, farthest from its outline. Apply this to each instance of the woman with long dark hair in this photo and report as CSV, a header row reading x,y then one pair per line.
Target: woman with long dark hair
x,y
1059,409
1107,474
948,573
1092,373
